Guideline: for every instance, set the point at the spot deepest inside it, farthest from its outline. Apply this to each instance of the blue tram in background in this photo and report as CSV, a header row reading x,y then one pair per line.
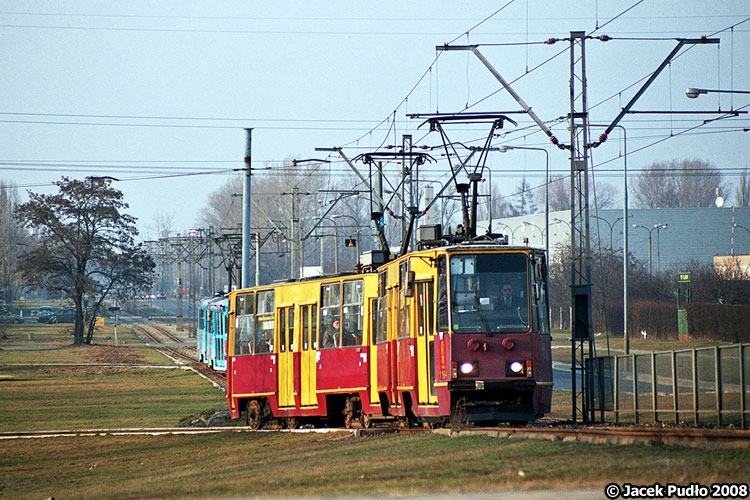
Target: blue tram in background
x,y
211,335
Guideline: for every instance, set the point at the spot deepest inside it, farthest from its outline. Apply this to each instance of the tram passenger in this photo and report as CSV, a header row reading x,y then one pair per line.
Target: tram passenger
x,y
332,336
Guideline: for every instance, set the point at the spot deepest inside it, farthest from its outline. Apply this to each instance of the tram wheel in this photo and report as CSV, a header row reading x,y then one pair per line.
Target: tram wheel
x,y
348,420
254,415
292,422
366,421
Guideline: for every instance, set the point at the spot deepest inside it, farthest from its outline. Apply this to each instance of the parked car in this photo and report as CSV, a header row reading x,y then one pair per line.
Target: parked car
x,y
44,313
64,315
10,318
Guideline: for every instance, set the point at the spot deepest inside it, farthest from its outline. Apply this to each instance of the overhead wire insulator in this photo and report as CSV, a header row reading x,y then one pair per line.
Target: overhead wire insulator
x,y
550,41
604,38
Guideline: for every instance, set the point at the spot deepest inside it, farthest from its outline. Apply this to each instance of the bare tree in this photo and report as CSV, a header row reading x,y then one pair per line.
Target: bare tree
x,y
742,190
163,225
13,239
272,209
559,194
501,206
683,184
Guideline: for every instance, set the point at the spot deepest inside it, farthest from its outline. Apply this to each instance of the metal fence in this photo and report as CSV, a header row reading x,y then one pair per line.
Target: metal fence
x,y
697,386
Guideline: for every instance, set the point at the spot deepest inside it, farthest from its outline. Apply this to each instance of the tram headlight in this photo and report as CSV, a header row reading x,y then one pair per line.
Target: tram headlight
x,y
468,368
515,368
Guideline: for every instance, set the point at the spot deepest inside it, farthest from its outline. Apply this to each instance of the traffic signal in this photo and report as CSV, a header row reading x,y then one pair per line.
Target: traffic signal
x,y
351,242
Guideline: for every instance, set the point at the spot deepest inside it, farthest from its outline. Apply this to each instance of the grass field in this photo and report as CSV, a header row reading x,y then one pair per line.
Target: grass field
x,y
269,463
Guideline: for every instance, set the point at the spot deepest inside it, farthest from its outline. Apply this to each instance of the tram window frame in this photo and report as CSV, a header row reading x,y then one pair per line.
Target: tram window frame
x,y
244,326
352,312
286,329
373,320
330,312
541,295
424,306
305,314
443,310
404,305
265,321
381,333
282,329
290,327
314,326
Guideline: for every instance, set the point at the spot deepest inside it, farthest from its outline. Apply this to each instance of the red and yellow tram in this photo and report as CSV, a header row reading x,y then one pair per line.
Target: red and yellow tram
x,y
456,330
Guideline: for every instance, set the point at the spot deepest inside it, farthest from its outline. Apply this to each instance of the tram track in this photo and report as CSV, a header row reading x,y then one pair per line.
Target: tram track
x,y
176,349
629,436
650,436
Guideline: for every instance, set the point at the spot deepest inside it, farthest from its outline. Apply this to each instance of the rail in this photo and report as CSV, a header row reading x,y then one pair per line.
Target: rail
x,y
701,386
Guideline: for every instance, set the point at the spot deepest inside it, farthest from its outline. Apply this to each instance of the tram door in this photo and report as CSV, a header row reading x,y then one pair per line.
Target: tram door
x,y
286,356
383,338
309,325
425,313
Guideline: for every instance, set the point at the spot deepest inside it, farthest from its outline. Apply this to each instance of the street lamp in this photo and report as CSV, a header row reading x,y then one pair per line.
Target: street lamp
x,y
658,227
611,229
513,233
693,93
558,221
527,223
506,225
635,226
743,227
503,149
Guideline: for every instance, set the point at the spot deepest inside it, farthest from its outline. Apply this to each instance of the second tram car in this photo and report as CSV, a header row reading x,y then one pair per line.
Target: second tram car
x,y
213,332
457,330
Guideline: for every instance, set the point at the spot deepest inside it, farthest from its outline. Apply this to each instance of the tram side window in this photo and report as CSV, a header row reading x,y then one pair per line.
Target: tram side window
x,y
305,311
314,326
330,320
380,311
202,319
381,331
351,315
540,294
286,329
290,326
243,332
442,294
282,330
264,323
404,315
373,320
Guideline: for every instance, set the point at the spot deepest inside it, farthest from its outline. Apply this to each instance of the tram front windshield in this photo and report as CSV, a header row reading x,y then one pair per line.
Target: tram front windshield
x,y
488,293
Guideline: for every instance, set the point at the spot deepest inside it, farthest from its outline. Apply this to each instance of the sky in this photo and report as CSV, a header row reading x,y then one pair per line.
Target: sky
x,y
158,94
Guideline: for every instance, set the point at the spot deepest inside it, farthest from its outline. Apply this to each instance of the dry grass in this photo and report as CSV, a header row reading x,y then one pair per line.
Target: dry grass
x,y
272,464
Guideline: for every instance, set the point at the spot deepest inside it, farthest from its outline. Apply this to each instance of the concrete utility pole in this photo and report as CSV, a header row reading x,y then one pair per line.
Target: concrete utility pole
x,y
246,219
296,255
